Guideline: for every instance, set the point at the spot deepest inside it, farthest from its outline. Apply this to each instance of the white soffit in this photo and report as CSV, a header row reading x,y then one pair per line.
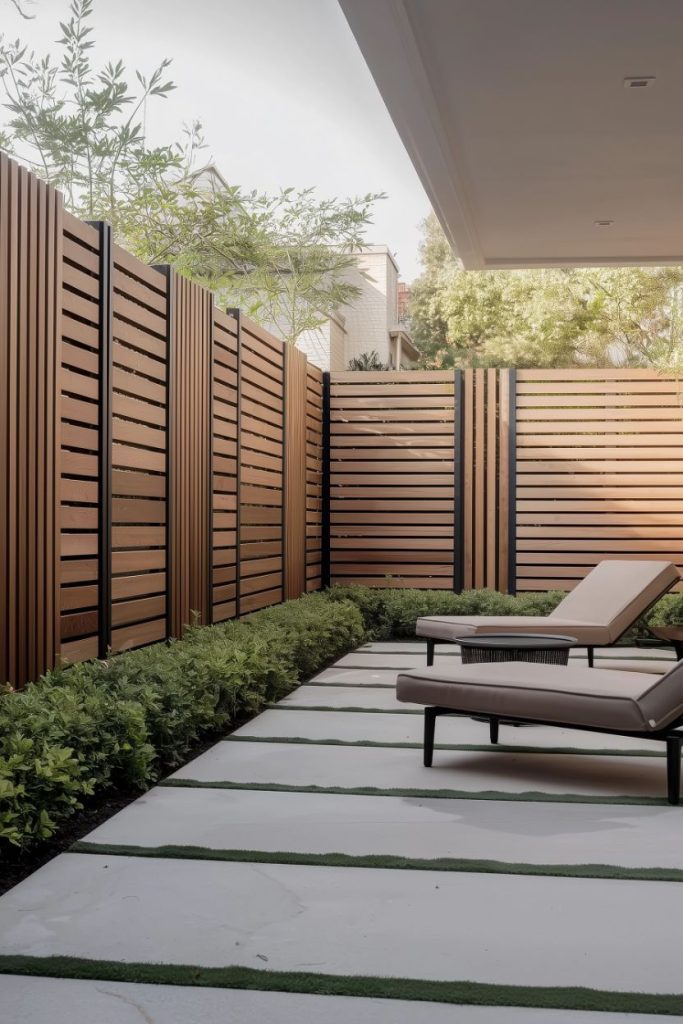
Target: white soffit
x,y
523,130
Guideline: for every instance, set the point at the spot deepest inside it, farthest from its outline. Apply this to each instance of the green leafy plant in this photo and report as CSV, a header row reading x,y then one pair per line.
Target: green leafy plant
x,y
367,361
288,259
119,724
393,612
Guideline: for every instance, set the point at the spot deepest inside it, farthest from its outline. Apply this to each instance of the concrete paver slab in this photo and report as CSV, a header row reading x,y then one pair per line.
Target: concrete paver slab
x,y
530,833
502,929
390,768
393,727
56,1001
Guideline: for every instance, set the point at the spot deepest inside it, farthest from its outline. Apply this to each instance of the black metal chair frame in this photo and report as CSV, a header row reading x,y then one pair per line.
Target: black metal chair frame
x,y
670,736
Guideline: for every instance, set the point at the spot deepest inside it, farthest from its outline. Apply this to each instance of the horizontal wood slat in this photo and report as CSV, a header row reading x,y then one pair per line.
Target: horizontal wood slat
x,y
599,472
389,412
140,557
261,492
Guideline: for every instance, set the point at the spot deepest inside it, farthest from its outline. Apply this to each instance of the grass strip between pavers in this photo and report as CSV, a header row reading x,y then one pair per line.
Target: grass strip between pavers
x,y
463,993
387,861
351,709
426,794
493,748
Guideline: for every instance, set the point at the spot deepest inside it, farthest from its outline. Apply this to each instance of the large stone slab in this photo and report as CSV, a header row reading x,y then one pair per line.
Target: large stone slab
x,y
487,928
399,768
530,833
394,727
56,1001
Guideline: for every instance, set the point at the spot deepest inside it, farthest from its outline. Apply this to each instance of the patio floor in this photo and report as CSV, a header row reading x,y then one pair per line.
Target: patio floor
x,y
259,889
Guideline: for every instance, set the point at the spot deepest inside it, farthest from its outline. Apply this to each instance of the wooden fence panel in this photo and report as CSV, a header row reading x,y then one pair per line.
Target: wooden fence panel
x,y
599,472
192,326
224,416
485,477
262,471
30,314
139,459
392,484
79,405
295,473
314,477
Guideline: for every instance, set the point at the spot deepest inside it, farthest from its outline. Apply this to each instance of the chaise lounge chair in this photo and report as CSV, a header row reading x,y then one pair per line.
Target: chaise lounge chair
x,y
597,611
597,700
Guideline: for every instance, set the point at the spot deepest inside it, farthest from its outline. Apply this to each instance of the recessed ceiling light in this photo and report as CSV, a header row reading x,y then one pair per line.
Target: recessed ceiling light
x,y
639,81
603,223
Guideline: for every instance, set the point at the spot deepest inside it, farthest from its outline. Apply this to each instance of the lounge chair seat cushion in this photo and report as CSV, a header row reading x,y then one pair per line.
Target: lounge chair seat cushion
x,y
451,627
597,698
597,611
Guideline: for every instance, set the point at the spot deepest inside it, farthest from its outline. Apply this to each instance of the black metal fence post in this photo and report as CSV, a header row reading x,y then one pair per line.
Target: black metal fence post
x,y
512,485
325,539
458,482
104,510
236,315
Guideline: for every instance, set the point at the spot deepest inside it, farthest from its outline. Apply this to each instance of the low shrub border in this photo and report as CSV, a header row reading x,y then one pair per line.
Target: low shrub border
x,y
391,614
118,725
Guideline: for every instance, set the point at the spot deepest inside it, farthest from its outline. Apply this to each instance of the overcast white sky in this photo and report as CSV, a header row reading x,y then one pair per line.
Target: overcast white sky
x,y
280,86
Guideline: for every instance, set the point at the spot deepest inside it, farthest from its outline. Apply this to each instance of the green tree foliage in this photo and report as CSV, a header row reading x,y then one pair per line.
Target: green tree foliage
x,y
286,258
625,316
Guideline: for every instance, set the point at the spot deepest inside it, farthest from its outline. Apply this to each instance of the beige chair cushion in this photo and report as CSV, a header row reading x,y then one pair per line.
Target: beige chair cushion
x,y
600,698
616,593
597,611
451,627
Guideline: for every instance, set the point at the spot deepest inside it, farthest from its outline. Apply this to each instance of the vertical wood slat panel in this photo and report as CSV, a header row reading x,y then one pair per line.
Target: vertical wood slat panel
x,y
485,498
314,476
295,472
30,281
190,453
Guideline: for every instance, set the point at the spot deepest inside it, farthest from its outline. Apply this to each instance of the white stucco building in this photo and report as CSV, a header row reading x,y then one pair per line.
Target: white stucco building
x,y
370,324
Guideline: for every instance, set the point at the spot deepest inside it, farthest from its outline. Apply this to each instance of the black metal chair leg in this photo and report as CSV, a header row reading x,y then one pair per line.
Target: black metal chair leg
x,y
430,652
430,725
493,729
673,769
591,652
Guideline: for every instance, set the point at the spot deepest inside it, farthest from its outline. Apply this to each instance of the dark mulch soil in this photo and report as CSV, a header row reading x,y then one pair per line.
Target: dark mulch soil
x,y
14,868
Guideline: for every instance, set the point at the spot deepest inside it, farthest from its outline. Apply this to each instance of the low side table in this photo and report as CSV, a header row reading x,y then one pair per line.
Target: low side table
x,y
541,648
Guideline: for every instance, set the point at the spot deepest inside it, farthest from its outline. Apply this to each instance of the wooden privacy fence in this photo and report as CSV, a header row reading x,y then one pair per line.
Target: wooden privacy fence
x,y
159,457
518,480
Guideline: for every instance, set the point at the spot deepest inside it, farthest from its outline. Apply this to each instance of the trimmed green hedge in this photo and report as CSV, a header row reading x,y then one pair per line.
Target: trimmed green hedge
x,y
121,723
392,613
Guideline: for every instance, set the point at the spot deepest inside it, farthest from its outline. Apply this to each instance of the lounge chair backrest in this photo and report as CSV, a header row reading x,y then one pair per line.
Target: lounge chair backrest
x,y
616,593
662,704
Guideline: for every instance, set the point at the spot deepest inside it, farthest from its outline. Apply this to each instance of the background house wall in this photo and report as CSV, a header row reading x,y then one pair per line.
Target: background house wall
x,y
368,324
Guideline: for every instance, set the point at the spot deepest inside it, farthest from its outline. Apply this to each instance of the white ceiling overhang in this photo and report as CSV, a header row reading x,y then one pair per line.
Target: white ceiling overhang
x,y
519,124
